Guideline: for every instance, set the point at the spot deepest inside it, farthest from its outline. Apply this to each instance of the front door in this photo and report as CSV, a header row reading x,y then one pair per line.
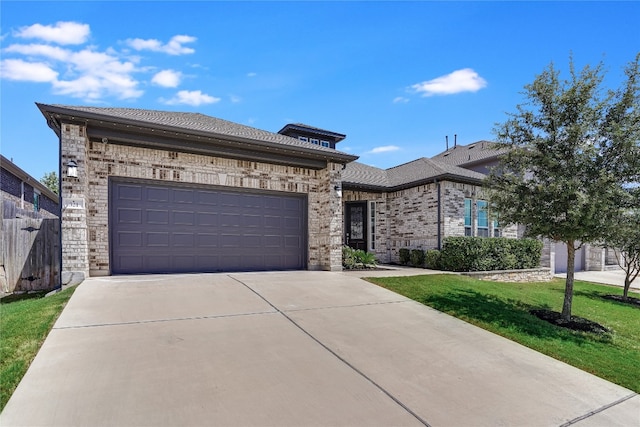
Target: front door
x,y
356,225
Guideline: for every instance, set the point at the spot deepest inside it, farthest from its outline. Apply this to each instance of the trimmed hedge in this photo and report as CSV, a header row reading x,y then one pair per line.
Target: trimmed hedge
x,y
489,253
405,256
417,257
432,259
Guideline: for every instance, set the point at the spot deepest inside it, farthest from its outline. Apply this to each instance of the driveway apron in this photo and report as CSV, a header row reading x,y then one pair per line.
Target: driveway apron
x,y
291,349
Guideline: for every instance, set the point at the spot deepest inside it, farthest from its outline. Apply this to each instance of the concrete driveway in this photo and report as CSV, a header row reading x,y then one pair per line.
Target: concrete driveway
x,y
291,349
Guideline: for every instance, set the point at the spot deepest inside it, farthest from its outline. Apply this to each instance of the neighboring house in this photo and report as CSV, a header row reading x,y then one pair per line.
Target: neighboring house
x,y
184,192
23,195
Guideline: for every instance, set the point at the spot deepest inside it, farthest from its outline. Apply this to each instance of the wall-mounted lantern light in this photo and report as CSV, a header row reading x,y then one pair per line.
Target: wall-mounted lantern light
x,y
72,169
338,190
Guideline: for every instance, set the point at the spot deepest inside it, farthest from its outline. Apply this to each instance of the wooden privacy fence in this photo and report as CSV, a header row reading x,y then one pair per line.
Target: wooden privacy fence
x,y
30,254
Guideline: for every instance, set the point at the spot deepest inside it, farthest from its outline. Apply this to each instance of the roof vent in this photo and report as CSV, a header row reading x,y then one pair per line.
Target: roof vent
x,y
471,146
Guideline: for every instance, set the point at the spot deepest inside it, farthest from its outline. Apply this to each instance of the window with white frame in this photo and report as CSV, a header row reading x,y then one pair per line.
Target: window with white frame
x,y
303,138
468,218
372,226
325,143
483,218
315,141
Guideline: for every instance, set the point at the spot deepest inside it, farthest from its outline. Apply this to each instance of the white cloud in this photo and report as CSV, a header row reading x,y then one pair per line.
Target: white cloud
x,y
235,99
167,78
173,47
252,74
400,100
19,70
384,149
465,80
45,50
61,32
191,97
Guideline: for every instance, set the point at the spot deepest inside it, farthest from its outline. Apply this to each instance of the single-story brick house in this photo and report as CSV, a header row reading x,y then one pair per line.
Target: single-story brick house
x,y
23,195
156,191
182,192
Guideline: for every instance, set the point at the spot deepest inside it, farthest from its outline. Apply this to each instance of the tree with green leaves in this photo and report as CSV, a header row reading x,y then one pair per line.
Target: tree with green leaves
x,y
624,240
50,180
571,156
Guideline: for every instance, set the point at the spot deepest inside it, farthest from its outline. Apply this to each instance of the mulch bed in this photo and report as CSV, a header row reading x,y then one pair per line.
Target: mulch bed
x,y
619,298
575,324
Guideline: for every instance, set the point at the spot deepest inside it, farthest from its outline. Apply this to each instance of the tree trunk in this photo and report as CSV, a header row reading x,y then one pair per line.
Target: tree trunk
x,y
568,289
627,285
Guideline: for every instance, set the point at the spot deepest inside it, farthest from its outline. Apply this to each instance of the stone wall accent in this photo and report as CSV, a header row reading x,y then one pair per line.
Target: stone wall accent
x,y
86,232
542,274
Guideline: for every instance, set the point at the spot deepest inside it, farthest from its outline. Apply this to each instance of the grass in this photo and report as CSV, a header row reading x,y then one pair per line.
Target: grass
x,y
24,324
503,308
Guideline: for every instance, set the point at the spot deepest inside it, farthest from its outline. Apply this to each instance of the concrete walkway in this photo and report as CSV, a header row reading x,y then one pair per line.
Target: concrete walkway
x,y
291,349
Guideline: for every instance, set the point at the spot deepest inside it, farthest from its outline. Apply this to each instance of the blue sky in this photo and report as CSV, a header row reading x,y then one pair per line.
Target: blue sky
x,y
395,77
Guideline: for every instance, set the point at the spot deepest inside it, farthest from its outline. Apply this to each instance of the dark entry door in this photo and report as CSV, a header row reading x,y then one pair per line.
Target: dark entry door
x,y
356,225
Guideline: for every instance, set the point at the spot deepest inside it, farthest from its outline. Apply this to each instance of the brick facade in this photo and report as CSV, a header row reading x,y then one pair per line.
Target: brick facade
x,y
86,231
409,218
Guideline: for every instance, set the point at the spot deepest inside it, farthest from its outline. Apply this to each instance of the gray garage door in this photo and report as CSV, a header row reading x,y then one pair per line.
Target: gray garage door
x,y
163,228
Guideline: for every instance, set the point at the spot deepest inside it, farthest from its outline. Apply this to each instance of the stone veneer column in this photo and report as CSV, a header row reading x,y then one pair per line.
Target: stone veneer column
x,y
329,237
75,250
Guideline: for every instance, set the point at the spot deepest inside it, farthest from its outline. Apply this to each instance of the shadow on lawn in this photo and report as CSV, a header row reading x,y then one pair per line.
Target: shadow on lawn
x,y
512,315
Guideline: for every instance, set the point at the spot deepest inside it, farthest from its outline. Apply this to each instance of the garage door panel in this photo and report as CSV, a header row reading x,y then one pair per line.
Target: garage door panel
x,y
230,240
207,240
160,239
130,216
168,227
130,192
207,219
155,194
184,196
130,239
208,198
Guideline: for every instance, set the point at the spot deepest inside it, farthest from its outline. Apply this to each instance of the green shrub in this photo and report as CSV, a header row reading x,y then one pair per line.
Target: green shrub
x,y
417,257
432,259
357,258
486,254
405,255
348,259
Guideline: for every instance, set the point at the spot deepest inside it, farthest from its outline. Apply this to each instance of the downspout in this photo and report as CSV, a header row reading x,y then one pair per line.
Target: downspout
x,y
439,214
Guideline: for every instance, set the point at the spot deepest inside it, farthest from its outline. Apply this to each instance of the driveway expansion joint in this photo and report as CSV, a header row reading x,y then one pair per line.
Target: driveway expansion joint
x,y
597,411
336,355
365,304
175,319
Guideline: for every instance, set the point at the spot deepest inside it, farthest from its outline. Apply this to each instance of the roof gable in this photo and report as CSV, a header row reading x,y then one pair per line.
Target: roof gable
x,y
407,175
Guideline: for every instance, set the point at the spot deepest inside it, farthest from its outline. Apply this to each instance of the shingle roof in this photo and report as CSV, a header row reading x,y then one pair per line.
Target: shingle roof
x,y
197,122
405,175
466,154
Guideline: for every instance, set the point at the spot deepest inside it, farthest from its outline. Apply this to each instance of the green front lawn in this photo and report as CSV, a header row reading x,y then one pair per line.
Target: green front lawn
x,y
503,308
24,324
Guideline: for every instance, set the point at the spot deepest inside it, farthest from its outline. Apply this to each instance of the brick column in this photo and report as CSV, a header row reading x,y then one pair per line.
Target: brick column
x,y
75,251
